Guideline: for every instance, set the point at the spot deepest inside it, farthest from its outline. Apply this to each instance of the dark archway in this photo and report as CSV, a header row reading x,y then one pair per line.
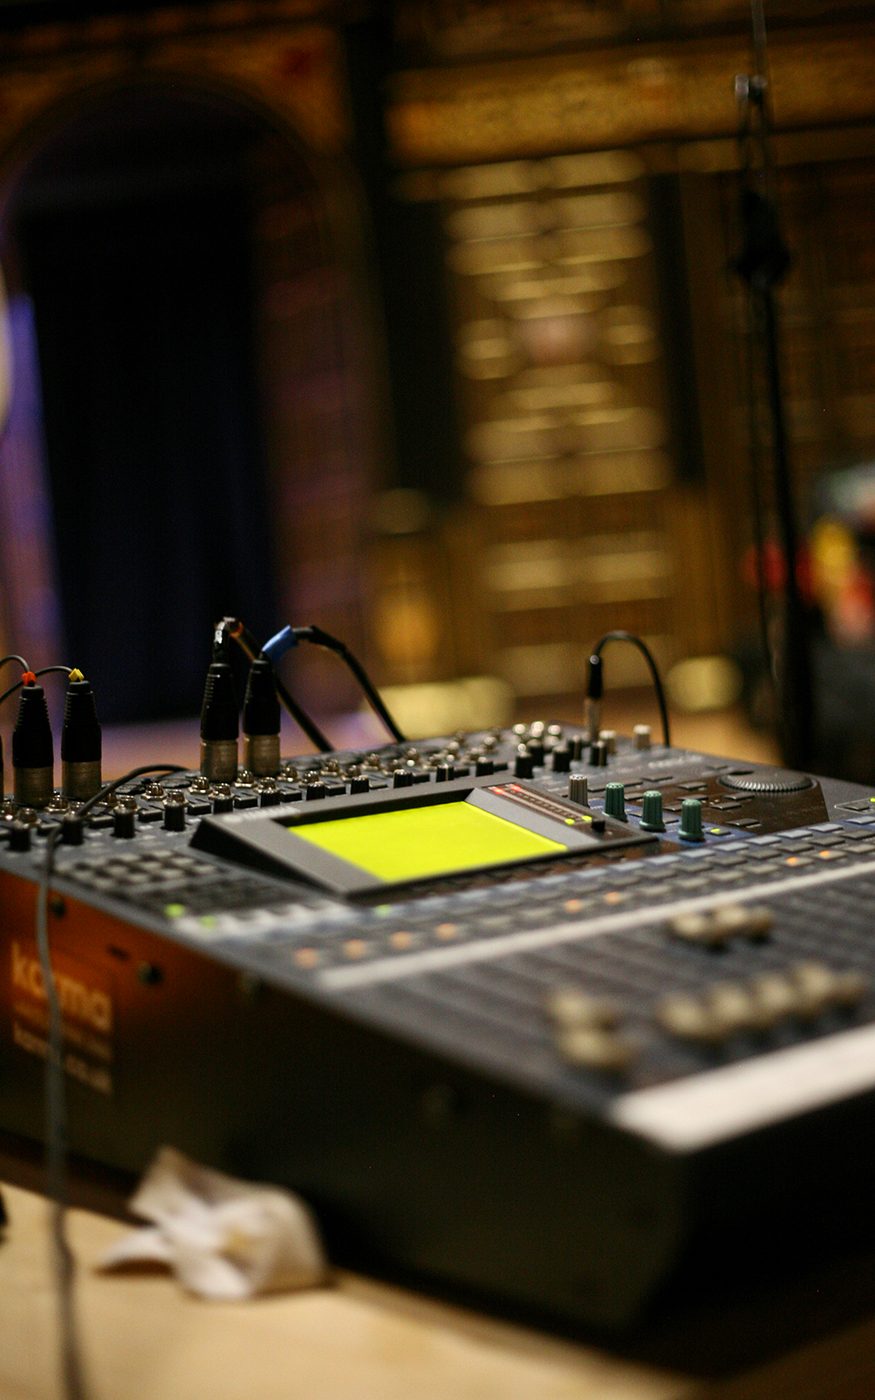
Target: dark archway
x,y
137,228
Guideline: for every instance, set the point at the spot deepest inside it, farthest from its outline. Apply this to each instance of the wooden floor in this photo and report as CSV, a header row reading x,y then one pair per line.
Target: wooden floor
x,y
142,1337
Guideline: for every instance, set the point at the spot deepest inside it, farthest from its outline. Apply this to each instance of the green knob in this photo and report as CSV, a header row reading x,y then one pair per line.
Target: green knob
x,y
690,828
615,801
651,811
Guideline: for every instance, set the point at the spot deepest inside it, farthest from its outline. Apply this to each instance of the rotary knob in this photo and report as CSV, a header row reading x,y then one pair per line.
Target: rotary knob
x,y
174,811
222,798
690,828
561,759
269,793
651,811
19,836
72,829
578,789
523,764
615,801
124,818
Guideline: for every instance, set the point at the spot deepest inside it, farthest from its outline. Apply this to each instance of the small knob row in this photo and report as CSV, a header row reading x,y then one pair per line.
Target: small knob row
x,y
651,819
534,753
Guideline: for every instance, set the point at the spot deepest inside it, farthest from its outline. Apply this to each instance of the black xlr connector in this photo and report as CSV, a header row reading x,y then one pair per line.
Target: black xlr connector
x,y
33,753
81,741
219,725
261,721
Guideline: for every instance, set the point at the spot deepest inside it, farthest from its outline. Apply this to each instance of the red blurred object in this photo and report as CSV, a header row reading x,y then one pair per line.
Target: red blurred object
x,y
770,566
774,569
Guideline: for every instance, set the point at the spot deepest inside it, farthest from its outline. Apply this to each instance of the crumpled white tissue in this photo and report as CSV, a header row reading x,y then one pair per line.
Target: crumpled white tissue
x,y
224,1239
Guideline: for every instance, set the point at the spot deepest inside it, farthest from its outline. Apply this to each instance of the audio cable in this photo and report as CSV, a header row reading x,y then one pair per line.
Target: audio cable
x,y
32,745
72,1368
4,661
595,683
261,721
33,754
81,741
239,633
289,637
219,721
29,677
13,656
219,715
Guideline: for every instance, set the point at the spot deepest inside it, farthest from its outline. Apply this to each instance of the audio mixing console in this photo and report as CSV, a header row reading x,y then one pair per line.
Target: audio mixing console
x,y
543,1021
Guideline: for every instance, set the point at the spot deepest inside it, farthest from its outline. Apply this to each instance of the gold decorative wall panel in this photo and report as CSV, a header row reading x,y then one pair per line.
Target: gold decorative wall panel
x,y
622,96
291,68
466,29
561,390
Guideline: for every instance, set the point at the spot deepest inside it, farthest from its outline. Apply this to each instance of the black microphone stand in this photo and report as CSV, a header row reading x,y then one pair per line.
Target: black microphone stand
x,y
762,264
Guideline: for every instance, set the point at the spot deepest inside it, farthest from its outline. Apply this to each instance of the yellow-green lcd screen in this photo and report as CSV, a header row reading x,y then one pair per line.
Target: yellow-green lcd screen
x,y
417,842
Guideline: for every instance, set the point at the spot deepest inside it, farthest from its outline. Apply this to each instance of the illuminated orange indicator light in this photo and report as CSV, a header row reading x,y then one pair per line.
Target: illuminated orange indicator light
x,y
827,855
401,939
355,947
447,931
792,860
306,957
613,897
572,906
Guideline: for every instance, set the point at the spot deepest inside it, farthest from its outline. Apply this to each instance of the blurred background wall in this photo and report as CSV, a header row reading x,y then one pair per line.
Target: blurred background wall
x,y
417,321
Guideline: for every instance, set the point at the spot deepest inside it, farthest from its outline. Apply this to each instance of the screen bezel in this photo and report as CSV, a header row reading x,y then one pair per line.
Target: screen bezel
x,y
258,841
310,862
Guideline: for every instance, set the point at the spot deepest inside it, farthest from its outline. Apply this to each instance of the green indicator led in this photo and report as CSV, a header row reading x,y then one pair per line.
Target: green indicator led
x,y
417,842
174,911
207,920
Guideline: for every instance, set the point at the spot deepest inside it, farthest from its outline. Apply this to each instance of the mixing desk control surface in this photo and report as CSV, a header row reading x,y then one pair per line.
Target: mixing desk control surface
x,y
516,1021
